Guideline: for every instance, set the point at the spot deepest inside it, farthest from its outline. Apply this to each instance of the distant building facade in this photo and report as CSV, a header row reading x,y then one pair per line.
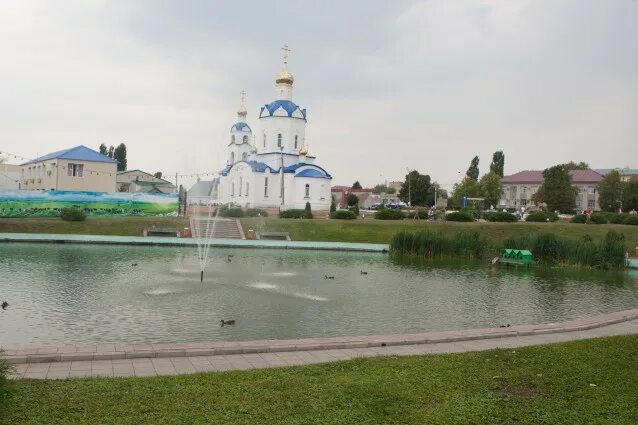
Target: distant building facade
x,y
626,174
9,176
136,181
519,188
75,169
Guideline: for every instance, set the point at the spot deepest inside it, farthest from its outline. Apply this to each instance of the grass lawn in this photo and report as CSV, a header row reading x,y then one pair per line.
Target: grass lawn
x,y
549,384
120,226
369,230
378,231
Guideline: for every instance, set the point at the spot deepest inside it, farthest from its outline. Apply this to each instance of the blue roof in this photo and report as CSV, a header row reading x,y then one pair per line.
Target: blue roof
x,y
287,105
315,168
258,167
80,153
240,126
311,172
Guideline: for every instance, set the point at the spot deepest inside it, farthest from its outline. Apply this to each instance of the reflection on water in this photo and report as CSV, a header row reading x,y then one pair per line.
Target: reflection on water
x,y
76,294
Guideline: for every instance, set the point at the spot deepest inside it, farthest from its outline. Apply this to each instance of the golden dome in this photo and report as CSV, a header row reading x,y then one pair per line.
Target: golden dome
x,y
242,112
284,77
303,150
253,148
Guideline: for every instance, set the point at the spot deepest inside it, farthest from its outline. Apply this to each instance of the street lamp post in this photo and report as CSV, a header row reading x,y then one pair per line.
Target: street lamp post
x,y
409,187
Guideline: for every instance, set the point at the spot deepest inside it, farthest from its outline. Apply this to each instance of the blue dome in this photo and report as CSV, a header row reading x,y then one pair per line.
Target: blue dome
x,y
287,105
241,126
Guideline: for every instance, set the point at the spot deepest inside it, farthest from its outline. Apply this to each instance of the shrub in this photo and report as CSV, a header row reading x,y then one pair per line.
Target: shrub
x,y
631,220
343,215
72,214
579,218
500,217
354,209
256,212
295,213
598,219
308,208
459,216
388,214
231,212
617,218
433,244
472,212
541,216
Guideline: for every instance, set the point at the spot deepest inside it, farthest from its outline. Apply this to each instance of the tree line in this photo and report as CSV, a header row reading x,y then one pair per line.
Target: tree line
x,y
118,153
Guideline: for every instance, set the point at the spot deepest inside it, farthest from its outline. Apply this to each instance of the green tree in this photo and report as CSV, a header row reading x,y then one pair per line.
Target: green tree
x,y
110,152
333,205
610,191
571,165
158,175
557,190
352,199
119,154
357,185
308,208
630,195
415,188
391,191
473,170
498,163
467,188
379,188
491,188
103,150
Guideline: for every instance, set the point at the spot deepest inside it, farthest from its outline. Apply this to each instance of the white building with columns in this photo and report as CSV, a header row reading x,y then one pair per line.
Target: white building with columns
x,y
271,167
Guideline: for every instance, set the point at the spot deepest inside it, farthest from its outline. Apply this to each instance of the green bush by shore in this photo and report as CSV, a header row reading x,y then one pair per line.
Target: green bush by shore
x,y
548,249
541,216
343,215
389,214
72,214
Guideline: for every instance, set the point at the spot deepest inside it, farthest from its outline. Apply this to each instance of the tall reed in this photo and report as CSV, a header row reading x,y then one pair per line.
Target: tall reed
x,y
433,244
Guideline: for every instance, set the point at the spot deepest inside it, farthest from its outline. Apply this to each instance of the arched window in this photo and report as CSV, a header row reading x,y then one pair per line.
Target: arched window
x,y
232,139
307,190
296,137
264,139
245,139
232,157
241,182
232,189
247,187
265,187
244,156
279,140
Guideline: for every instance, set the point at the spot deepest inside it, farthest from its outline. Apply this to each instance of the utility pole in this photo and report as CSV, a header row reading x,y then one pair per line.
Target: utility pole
x,y
176,187
282,176
436,188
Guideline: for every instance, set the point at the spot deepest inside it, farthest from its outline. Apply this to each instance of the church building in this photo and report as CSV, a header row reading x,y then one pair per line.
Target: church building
x,y
271,166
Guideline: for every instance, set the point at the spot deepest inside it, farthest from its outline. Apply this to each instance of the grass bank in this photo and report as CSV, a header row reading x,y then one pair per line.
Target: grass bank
x,y
583,382
372,231
118,226
379,231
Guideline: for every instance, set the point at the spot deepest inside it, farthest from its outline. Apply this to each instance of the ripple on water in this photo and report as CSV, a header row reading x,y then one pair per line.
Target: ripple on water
x,y
160,291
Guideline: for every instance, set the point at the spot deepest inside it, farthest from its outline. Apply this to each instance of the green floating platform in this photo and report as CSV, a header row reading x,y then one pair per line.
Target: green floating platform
x,y
517,257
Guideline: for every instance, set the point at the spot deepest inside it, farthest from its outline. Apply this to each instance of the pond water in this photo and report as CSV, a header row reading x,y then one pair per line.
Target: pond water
x,y
92,294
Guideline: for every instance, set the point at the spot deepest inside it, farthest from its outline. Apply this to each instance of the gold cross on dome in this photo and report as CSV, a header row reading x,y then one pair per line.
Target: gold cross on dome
x,y
286,50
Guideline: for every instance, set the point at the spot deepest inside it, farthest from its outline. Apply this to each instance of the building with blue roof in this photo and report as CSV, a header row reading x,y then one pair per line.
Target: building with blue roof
x,y
75,169
272,167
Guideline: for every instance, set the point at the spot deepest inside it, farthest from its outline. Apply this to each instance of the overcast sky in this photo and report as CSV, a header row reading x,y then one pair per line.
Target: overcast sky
x,y
387,84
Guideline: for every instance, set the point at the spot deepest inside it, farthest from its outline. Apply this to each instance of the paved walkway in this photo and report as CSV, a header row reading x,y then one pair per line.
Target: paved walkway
x,y
183,365
168,241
